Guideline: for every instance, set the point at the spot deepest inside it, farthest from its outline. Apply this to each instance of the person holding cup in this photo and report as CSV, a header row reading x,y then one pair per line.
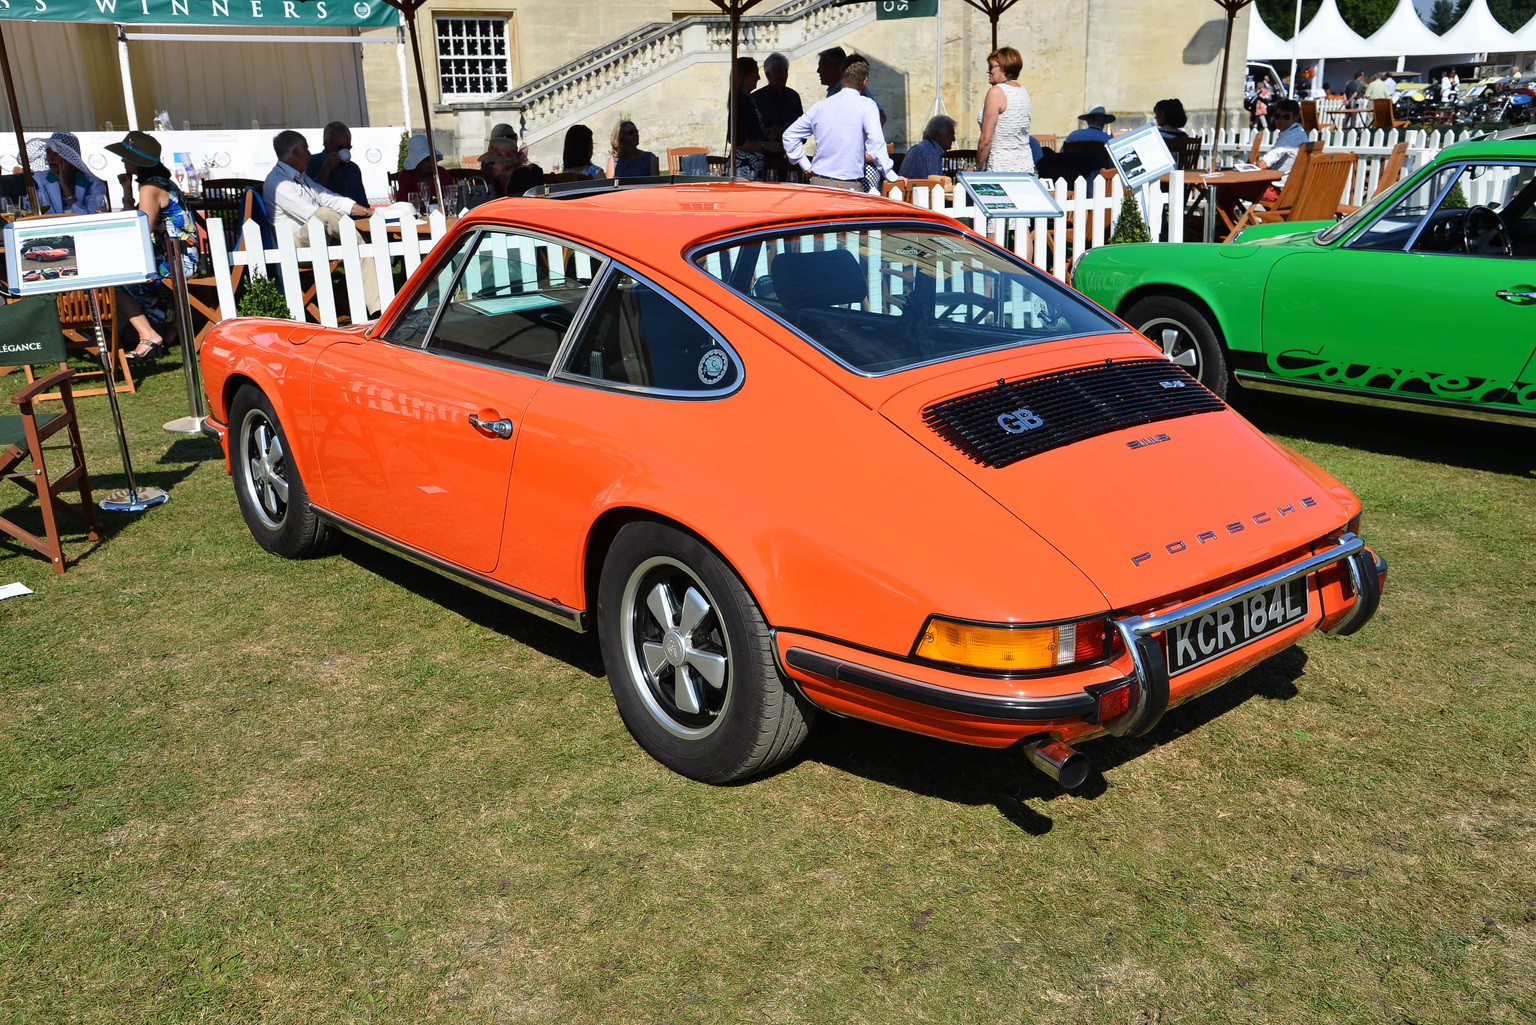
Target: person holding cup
x,y
67,186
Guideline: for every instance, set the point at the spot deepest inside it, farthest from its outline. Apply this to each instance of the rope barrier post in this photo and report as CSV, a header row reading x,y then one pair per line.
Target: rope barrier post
x,y
193,422
132,498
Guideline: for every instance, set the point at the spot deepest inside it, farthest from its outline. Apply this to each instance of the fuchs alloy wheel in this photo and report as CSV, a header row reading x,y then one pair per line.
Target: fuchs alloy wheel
x,y
268,488
1186,337
690,659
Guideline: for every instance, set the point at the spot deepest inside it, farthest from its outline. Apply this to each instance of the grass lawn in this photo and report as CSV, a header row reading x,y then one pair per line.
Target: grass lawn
x,y
239,789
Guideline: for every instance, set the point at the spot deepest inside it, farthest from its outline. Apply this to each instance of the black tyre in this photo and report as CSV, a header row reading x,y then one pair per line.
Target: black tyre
x,y
690,659
267,483
1187,337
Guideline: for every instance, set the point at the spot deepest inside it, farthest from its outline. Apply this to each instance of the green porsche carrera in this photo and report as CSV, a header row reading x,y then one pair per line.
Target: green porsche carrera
x,y
1426,296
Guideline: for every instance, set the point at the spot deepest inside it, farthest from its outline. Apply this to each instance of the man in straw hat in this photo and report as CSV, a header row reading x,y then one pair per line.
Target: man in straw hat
x,y
1093,129
68,186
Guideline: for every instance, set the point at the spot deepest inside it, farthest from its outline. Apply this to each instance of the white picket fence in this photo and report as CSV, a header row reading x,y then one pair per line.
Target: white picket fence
x,y
1049,243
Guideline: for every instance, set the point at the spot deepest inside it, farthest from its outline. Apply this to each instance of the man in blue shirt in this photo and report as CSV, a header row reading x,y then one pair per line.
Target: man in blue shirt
x,y
333,166
1093,131
847,130
926,158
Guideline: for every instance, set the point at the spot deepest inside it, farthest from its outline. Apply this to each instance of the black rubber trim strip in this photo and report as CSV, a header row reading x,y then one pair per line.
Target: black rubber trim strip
x,y
1070,706
576,619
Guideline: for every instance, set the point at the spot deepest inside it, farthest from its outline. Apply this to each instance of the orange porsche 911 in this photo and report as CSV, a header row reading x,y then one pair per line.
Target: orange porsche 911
x,y
791,450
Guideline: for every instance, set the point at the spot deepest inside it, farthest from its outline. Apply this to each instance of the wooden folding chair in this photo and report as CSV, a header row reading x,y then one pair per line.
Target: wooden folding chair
x,y
1186,151
1383,118
1280,209
676,154
1256,148
1315,198
25,435
205,301
79,333
1309,119
1391,174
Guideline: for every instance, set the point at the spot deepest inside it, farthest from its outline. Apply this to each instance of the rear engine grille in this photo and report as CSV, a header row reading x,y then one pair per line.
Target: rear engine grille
x,y
1018,419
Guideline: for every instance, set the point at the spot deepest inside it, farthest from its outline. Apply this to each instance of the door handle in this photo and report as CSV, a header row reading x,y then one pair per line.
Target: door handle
x,y
501,428
1519,298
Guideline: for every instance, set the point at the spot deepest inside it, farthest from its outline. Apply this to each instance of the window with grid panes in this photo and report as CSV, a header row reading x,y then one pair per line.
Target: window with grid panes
x,y
473,57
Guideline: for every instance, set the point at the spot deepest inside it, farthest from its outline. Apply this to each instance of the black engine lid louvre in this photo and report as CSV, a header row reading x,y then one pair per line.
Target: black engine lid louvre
x,y
1017,419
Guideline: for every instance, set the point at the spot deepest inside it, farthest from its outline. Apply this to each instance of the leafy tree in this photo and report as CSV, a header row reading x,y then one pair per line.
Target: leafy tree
x,y
1366,16
1512,14
1442,16
1280,15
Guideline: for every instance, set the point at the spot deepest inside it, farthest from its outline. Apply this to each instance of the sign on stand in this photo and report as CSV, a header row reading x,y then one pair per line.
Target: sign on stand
x,y
1141,156
87,252
1009,194
67,254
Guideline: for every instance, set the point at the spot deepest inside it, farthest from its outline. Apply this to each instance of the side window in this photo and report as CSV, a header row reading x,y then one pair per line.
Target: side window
x,y
515,300
1395,229
639,336
1488,212
411,328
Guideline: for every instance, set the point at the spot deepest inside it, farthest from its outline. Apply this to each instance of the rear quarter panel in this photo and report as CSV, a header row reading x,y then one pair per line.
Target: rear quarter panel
x,y
1227,279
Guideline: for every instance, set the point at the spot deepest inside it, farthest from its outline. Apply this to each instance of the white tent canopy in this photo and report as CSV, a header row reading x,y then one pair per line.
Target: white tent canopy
x,y
1328,36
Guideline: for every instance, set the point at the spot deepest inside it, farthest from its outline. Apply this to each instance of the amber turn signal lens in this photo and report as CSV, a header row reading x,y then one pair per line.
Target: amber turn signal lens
x,y
1009,649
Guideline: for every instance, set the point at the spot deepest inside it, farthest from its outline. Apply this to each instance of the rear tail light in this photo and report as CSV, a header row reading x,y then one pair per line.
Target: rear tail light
x,y
1010,648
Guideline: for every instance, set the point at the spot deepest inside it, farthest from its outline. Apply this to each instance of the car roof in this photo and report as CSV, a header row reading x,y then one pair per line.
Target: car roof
x,y
1518,144
670,218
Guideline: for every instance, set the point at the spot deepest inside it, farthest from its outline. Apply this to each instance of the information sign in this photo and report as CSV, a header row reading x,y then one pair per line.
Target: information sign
x,y
1141,155
886,10
1009,194
66,254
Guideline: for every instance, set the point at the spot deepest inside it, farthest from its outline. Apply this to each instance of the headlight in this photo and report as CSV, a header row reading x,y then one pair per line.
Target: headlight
x,y
1009,648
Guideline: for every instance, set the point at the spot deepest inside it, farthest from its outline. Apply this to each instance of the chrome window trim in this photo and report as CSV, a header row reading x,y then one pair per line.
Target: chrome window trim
x,y
579,330
694,253
578,319
472,238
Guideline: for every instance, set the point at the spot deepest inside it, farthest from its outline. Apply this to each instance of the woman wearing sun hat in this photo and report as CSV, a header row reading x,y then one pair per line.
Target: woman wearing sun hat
x,y
149,306
68,186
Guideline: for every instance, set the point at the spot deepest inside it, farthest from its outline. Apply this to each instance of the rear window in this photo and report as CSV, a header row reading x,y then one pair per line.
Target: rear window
x,y
879,300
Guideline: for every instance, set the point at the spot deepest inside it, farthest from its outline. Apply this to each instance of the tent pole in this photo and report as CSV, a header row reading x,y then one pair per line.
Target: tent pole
x,y
123,66
21,138
426,111
731,116
405,78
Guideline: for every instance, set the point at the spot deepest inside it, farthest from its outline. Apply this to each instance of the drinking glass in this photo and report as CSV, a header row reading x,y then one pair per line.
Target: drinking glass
x,y
99,204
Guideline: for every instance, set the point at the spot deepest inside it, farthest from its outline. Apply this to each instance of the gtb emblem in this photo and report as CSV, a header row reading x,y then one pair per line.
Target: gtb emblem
x,y
1019,421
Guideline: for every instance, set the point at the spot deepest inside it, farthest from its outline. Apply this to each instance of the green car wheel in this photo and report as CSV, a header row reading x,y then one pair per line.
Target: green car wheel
x,y
1186,336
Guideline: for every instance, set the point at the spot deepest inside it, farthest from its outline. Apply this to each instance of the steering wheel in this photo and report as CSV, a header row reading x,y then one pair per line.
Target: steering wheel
x,y
1485,233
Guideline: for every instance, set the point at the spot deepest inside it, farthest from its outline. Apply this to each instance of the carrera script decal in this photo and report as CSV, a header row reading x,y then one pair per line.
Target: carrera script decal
x,y
1303,364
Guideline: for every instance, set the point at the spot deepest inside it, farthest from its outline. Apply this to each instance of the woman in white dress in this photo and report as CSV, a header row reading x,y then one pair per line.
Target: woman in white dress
x,y
1004,118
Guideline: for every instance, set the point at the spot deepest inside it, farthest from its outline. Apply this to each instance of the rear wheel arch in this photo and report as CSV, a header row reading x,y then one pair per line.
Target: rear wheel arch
x,y
1187,330
606,527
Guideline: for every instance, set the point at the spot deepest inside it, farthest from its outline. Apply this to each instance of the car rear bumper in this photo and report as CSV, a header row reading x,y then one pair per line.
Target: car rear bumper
x,y
1345,580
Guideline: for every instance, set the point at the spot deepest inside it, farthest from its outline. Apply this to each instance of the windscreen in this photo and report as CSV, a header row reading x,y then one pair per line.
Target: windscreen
x,y
879,300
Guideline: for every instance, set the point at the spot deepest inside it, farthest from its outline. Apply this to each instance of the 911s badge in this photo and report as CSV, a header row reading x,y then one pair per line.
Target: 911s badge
x,y
1144,442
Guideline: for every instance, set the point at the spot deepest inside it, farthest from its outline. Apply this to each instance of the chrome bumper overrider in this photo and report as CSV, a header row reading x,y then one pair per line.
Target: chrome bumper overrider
x,y
1150,679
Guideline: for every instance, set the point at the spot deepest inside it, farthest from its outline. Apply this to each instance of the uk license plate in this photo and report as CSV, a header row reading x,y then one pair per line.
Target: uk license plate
x,y
1230,626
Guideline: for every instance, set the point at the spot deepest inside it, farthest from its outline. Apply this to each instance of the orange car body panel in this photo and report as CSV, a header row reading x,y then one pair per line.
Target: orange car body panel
x,y
849,519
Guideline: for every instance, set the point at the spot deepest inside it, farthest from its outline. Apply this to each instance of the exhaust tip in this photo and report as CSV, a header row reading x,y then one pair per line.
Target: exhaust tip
x,y
1062,762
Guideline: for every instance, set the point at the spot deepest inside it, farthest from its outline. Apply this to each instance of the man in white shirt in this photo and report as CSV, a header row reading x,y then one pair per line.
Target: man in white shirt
x,y
847,129
1282,155
293,197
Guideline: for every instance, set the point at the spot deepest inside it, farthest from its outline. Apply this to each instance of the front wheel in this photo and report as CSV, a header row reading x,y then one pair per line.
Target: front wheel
x,y
268,488
690,659
1186,336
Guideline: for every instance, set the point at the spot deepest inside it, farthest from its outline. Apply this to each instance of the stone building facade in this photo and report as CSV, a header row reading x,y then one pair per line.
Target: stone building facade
x,y
547,64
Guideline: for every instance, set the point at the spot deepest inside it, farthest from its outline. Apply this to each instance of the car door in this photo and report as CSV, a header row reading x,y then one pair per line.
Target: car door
x,y
1426,303
417,427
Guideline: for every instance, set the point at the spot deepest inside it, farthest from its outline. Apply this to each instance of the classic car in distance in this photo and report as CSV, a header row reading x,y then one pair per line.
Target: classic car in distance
x,y
792,449
1422,298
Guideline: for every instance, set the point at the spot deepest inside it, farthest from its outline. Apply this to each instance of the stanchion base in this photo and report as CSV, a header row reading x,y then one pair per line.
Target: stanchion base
x,y
123,500
185,425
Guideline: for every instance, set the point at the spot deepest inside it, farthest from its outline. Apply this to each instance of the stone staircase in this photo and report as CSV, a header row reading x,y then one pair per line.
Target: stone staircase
x,y
644,59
